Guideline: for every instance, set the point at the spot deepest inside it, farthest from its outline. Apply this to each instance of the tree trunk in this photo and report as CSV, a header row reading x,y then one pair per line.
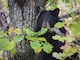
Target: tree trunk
x,y
23,13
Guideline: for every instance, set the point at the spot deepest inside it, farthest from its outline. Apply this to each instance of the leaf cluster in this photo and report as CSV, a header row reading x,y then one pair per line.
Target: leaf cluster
x,y
8,42
38,43
73,34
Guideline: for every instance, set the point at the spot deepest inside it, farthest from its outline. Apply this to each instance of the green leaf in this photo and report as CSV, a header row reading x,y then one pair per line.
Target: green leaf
x,y
73,15
10,31
42,31
49,1
47,47
38,50
41,38
29,32
12,51
57,37
74,26
35,38
18,31
3,34
67,1
69,51
31,38
59,24
36,46
11,45
3,43
75,32
53,6
18,38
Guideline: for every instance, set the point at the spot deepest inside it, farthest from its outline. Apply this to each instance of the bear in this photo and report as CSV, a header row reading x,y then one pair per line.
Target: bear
x,y
47,19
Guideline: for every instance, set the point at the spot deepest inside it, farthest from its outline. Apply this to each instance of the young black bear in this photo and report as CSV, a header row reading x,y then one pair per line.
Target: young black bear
x,y
48,19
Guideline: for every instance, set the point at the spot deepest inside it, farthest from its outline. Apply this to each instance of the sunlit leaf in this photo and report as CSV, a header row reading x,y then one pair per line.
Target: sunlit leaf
x,y
5,5
69,51
67,1
42,31
31,38
38,50
12,52
53,6
10,31
35,38
35,44
3,34
47,47
50,6
75,32
59,24
18,31
3,43
42,38
18,38
10,45
57,37
29,32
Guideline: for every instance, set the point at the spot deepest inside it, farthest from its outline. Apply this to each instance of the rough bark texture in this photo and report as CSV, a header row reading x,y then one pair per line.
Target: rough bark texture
x,y
23,13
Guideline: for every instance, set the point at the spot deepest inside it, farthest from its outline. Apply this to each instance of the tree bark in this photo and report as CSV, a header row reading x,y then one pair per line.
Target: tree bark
x,y
23,13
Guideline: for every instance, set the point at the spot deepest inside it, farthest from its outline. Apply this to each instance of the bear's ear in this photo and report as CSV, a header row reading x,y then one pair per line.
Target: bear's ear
x,y
55,12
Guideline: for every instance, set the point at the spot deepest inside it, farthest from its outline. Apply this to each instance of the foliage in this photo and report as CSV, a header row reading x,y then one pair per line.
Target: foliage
x,y
8,41
38,43
4,5
73,29
51,5
61,4
72,24
59,24
69,51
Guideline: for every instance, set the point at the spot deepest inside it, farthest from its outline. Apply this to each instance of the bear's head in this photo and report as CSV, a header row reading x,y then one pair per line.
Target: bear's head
x,y
47,19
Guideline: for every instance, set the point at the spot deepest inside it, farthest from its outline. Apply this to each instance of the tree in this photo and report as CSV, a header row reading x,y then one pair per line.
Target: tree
x,y
24,13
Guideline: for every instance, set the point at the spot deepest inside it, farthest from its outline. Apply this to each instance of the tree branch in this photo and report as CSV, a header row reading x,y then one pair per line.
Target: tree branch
x,y
57,31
